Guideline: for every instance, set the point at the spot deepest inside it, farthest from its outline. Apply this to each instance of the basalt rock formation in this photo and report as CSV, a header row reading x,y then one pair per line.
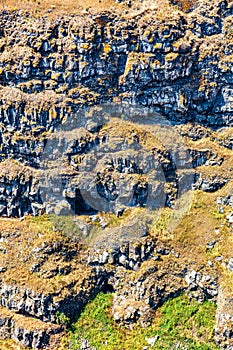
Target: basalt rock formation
x,y
110,119
177,64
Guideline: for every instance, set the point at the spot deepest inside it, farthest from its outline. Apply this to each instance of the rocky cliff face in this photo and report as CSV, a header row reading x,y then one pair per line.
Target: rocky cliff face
x,y
99,113
178,64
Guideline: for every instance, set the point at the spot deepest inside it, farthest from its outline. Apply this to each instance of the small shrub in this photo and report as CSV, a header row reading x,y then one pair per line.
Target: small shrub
x,y
62,319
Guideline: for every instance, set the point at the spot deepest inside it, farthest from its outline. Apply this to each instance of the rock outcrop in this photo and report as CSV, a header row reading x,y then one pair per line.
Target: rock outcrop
x,y
123,112
28,331
176,63
224,321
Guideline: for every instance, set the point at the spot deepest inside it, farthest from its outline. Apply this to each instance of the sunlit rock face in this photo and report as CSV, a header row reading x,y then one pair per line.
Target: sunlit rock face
x,y
180,64
106,120
176,62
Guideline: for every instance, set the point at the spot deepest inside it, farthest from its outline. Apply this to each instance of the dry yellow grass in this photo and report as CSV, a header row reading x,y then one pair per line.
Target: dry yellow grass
x,y
202,224
23,237
8,344
57,6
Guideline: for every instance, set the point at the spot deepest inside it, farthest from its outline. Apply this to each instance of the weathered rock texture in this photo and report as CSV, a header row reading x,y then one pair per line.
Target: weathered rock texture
x,y
178,64
224,324
29,332
173,62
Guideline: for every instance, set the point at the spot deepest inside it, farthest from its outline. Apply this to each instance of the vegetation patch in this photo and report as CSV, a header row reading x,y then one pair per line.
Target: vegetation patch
x,y
179,323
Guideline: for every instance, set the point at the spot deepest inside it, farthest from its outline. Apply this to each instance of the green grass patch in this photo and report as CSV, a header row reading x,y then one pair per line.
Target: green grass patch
x,y
66,225
180,323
